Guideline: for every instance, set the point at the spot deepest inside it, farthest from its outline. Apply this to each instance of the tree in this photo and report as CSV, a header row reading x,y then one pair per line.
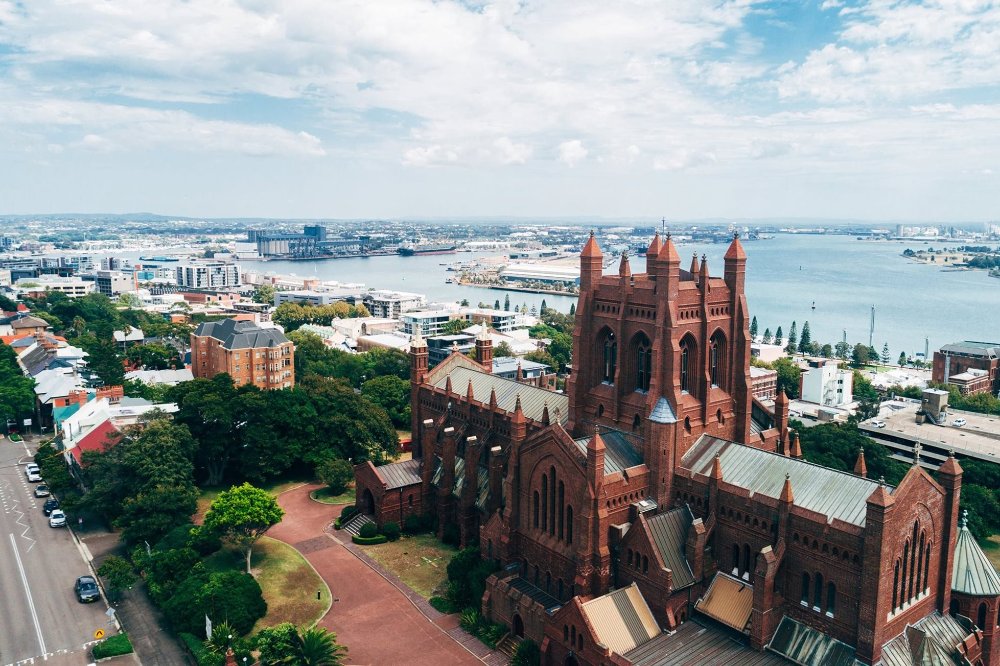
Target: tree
x,y
336,474
230,595
805,342
826,351
503,349
543,307
454,326
792,340
983,508
153,356
506,302
902,358
242,514
861,355
572,309
319,647
767,336
130,299
788,376
264,294
118,574
17,392
843,350
886,357
778,337
391,394
753,328
866,395
206,407
836,445
464,303
276,645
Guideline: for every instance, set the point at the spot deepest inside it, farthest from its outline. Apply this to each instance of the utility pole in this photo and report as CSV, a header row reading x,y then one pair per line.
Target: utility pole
x,y
871,329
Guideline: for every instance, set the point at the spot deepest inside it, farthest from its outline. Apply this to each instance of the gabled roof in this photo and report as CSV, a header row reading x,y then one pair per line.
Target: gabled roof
x,y
235,334
972,572
619,453
28,322
694,644
932,641
802,644
400,474
621,619
669,533
95,440
972,348
533,399
729,601
833,493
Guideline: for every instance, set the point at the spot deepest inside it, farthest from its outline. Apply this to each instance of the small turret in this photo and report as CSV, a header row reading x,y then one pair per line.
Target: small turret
x,y
624,270
787,496
591,264
860,468
694,265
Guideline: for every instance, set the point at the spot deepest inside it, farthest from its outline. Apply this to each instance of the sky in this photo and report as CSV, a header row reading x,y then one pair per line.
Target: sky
x,y
684,109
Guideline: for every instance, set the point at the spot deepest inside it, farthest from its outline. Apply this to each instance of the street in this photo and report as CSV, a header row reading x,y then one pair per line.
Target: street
x,y
39,614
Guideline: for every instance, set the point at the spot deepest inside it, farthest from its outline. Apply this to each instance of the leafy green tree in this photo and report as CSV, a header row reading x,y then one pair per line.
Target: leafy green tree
x,y
391,394
826,351
506,302
861,355
805,342
454,326
983,508
788,376
230,595
836,445
206,407
885,354
153,356
496,304
17,392
104,358
264,294
866,395
543,307
242,514
572,309
778,337
292,315
319,647
336,473
902,358
129,299
503,350
542,356
753,328
767,336
352,426
467,574
118,574
7,305
276,645
464,303
792,340
843,350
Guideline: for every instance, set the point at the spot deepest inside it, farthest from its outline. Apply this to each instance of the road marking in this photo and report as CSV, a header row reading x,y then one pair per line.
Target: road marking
x,y
27,591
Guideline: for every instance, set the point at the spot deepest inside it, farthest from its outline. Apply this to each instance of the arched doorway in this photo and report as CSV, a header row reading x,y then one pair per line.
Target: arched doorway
x,y
368,502
518,626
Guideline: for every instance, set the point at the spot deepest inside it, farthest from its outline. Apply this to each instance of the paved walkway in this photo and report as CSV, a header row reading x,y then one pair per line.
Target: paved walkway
x,y
378,622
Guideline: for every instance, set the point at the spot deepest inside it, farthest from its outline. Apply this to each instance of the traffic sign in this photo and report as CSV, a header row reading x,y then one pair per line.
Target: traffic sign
x,y
99,634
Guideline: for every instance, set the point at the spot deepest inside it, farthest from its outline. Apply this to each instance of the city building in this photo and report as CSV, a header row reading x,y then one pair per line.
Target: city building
x,y
250,354
397,341
655,504
113,283
427,322
35,287
826,383
389,304
499,320
763,383
954,361
766,353
544,273
208,274
303,297
440,347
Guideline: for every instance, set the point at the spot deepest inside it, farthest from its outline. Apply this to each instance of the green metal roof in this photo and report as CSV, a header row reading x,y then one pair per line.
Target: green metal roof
x,y
972,572
828,491
931,641
533,399
669,532
619,452
400,474
802,644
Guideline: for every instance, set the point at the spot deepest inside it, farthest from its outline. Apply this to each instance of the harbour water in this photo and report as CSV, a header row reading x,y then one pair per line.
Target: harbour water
x,y
785,275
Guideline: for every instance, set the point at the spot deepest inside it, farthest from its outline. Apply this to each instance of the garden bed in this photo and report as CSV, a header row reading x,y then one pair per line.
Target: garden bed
x,y
326,497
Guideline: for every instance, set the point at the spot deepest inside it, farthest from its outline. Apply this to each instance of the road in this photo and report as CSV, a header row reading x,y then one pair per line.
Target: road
x,y
40,617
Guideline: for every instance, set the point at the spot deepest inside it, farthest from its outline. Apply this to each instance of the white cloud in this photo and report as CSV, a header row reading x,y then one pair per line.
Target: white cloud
x,y
572,152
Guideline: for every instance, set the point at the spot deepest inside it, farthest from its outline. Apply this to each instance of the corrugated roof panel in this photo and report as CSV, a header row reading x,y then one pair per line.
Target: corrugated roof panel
x,y
544,599
729,601
622,619
804,645
828,491
399,475
932,641
972,572
619,452
533,399
694,644
669,532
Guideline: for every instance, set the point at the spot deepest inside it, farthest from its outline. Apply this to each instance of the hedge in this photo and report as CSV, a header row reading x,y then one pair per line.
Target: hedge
x,y
369,541
442,605
201,654
14,437
112,646
391,531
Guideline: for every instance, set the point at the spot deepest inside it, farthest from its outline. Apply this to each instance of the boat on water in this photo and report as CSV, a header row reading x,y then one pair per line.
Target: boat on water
x,y
413,250
159,259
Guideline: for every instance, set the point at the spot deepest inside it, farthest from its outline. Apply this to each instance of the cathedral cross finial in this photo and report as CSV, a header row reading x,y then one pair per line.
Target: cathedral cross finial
x,y
963,523
916,453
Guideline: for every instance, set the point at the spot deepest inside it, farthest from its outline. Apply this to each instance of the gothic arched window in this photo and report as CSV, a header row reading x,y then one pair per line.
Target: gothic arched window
x,y
684,367
643,363
713,359
610,358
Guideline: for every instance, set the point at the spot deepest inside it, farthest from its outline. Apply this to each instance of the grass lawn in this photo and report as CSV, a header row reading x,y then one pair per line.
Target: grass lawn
x,y
287,581
992,550
419,561
323,495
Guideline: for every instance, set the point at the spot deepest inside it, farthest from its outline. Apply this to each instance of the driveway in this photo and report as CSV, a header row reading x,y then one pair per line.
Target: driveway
x,y
377,622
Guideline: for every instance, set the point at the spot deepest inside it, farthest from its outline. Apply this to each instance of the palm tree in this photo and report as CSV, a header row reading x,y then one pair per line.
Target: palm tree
x,y
319,647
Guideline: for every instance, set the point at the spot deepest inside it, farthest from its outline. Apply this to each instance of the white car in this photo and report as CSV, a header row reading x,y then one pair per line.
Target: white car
x,y
57,519
958,423
878,424
32,472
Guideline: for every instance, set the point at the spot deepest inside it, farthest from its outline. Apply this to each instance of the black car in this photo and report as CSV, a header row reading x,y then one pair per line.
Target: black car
x,y
86,589
50,505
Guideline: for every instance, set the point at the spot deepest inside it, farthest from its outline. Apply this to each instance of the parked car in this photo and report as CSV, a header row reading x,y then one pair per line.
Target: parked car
x,y
86,590
878,424
958,423
57,519
33,473
42,490
51,504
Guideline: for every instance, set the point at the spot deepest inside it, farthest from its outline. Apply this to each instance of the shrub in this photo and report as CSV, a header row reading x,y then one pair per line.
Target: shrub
x,y
166,570
391,531
491,634
369,541
349,512
442,605
467,574
368,530
14,437
230,595
336,473
201,654
276,644
112,646
527,654
470,619
118,575
414,525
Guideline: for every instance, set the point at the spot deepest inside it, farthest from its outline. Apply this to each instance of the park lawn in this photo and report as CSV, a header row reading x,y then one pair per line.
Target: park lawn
x,y
992,550
288,583
323,495
419,561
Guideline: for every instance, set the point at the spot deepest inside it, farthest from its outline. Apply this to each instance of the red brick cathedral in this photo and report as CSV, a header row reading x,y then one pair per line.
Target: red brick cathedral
x,y
656,514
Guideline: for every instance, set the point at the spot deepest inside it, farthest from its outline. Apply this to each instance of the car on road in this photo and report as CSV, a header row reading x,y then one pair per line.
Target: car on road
x,y
51,504
57,519
86,590
42,490
958,423
33,473
878,424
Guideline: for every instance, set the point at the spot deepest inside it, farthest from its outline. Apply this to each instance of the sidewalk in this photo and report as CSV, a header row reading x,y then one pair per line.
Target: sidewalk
x,y
154,645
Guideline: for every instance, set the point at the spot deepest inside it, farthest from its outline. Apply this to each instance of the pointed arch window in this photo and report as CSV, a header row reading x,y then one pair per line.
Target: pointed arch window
x,y
685,358
610,358
831,599
805,589
569,525
713,357
643,364
818,591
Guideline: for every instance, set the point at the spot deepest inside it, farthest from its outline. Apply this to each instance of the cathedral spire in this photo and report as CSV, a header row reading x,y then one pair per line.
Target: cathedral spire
x,y
545,414
591,249
860,468
654,248
787,495
694,265
624,270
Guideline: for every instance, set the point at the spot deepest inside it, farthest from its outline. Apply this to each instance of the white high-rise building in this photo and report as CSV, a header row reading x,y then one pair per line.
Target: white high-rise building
x,y
208,275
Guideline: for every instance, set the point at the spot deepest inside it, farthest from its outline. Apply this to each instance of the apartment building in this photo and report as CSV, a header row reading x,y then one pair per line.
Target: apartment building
x,y
208,275
250,354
